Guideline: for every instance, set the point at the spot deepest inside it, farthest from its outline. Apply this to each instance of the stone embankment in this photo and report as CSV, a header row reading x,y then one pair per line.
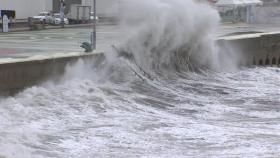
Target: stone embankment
x,y
261,49
16,75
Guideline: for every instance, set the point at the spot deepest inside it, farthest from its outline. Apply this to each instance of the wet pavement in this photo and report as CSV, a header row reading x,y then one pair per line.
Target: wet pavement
x,y
47,42
23,44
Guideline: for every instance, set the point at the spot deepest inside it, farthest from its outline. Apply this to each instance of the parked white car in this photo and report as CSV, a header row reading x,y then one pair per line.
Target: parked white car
x,y
44,16
92,16
56,19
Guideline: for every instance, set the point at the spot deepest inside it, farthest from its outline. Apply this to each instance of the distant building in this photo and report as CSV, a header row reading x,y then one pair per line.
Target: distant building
x,y
26,8
104,7
56,5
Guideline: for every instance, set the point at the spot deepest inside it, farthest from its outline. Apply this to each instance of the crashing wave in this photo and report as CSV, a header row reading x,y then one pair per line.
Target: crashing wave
x,y
169,35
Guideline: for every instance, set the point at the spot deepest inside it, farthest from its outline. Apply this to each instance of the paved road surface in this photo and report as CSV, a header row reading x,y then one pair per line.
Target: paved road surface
x,y
44,42
28,43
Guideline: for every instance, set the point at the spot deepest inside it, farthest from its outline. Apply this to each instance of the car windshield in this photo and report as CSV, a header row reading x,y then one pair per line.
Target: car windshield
x,y
57,16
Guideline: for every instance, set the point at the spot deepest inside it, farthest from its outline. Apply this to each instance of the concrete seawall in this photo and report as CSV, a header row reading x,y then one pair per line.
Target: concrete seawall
x,y
255,49
261,49
17,75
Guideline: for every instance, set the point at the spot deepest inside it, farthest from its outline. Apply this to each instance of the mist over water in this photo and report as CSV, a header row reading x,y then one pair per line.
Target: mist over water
x,y
170,34
115,110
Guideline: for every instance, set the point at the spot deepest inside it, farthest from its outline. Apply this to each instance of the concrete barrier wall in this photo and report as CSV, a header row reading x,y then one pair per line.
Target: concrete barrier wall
x,y
15,76
255,49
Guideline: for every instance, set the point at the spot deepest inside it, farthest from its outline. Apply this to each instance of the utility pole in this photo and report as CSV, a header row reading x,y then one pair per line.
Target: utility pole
x,y
93,36
62,8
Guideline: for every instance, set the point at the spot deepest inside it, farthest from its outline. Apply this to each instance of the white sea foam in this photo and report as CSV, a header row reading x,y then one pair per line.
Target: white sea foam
x,y
199,116
154,30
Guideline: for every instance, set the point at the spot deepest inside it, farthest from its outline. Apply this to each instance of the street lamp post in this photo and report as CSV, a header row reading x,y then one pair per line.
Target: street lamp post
x,y
93,36
62,8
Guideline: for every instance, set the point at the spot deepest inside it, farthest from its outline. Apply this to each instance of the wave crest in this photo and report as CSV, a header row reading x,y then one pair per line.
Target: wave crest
x,y
169,34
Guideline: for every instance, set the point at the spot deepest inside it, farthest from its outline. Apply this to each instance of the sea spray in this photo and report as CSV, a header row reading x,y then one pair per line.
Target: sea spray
x,y
170,34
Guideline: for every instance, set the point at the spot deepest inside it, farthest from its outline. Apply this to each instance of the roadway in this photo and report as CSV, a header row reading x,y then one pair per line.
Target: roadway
x,y
23,44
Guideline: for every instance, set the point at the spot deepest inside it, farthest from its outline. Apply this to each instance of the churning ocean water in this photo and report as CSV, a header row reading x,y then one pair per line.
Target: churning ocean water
x,y
90,113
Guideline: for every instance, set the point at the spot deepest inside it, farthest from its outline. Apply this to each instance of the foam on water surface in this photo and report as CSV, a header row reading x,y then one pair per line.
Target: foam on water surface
x,y
216,114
